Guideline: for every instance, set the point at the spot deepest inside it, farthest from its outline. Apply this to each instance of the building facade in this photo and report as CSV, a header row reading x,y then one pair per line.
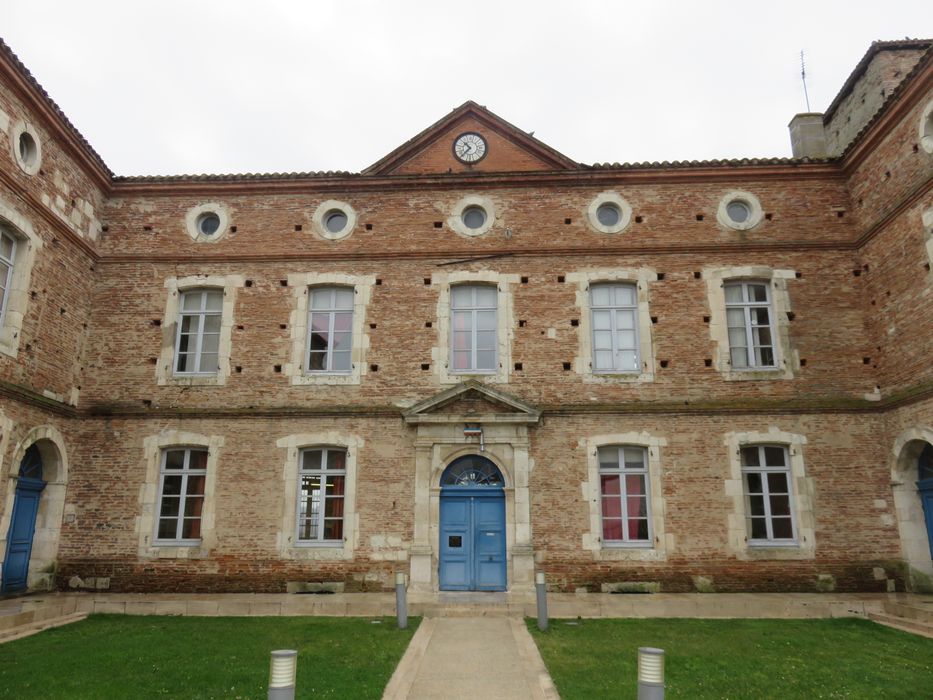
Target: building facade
x,y
475,360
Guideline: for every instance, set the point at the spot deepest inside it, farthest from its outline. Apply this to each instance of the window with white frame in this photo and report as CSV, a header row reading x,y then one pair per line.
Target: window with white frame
x,y
182,477
766,475
614,310
750,322
7,256
623,485
322,476
330,330
198,338
473,323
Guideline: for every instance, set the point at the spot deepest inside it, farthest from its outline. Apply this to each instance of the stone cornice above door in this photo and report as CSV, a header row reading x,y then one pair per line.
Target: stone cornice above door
x,y
472,402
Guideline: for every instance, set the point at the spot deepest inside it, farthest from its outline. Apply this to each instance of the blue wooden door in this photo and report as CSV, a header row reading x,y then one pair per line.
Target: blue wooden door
x,y
489,543
926,498
19,537
472,533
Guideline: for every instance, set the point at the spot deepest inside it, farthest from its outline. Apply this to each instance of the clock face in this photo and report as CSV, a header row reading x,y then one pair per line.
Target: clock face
x,y
470,147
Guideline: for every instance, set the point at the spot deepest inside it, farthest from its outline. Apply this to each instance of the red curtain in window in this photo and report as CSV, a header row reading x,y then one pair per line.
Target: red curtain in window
x,y
633,493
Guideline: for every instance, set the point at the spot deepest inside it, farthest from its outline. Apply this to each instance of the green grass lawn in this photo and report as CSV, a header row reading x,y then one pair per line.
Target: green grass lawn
x,y
117,656
755,659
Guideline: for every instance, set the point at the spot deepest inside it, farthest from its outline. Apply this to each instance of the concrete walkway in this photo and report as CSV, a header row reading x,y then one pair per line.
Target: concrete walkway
x,y
492,658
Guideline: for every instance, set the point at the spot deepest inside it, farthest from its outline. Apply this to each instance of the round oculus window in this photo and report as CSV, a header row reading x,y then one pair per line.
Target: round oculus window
x,y
27,148
738,211
474,217
608,214
208,223
335,221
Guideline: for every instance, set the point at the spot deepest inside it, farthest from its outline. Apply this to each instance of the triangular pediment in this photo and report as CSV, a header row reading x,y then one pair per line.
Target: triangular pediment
x,y
507,148
472,402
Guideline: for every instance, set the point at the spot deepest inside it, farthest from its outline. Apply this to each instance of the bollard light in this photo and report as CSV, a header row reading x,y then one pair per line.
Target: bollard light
x,y
541,600
401,600
283,667
650,673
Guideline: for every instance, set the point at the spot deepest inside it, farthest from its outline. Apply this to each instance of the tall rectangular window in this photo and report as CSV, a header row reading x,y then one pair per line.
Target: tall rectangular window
x,y
330,330
182,477
198,338
766,475
7,255
321,487
614,310
473,312
749,318
623,484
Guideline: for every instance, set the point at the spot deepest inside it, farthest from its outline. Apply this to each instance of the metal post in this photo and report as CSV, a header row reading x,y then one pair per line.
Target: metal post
x,y
541,592
650,673
401,602
282,670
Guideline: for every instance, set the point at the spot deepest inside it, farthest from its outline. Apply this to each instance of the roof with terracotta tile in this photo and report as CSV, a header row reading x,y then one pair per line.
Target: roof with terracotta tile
x,y
23,71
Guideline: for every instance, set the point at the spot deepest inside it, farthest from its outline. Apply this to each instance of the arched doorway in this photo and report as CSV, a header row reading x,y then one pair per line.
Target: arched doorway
x,y
29,488
912,483
472,526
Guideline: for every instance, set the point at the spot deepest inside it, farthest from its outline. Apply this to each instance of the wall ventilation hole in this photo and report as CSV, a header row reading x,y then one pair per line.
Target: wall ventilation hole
x,y
372,326
697,275
566,366
277,369
233,229
153,360
427,281
298,227
248,283
147,228
147,403
665,363
661,276
791,315
857,273
560,279
926,266
425,366
428,324
518,366
283,326
524,280
33,294
706,319
654,319
916,148
239,328
708,362
887,174
378,281
567,222
521,323
798,275
574,322
865,267
866,360
283,283
699,217
374,368
840,214
369,227
156,322
238,369
639,219
803,362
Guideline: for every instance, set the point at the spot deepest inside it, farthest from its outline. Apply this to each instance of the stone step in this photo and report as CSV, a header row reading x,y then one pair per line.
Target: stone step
x,y
920,610
904,624
33,627
467,610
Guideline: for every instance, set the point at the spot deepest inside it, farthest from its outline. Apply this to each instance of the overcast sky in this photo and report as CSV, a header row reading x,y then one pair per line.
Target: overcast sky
x,y
174,87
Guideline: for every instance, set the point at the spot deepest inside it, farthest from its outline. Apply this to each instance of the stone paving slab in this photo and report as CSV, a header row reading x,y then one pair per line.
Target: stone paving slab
x,y
493,658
